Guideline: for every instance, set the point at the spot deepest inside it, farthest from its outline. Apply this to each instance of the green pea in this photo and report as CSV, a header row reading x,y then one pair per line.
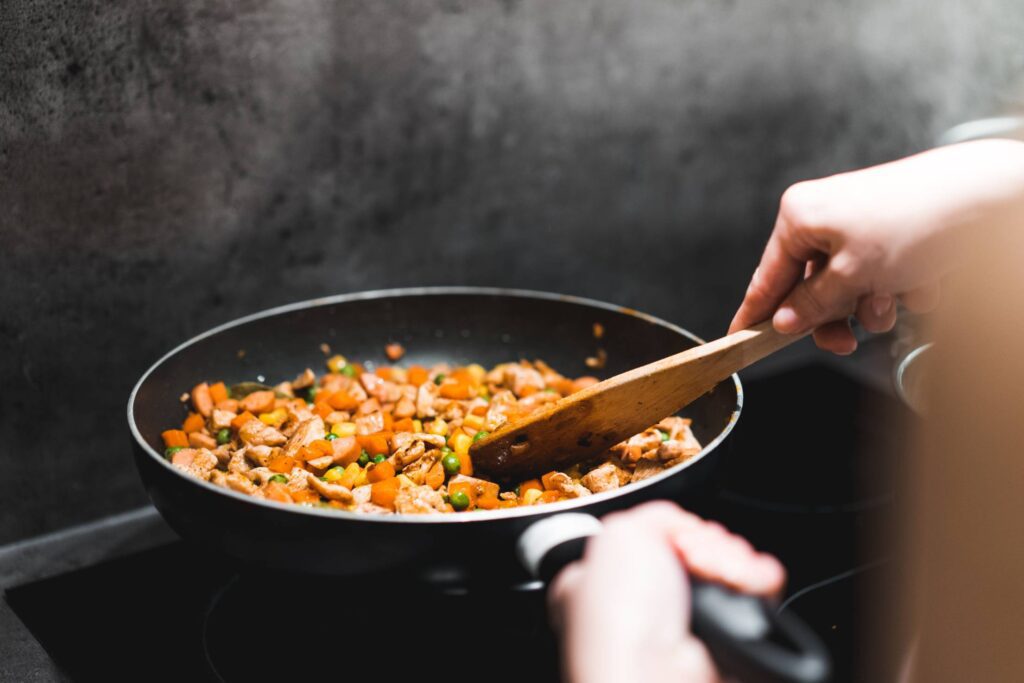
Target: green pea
x,y
223,436
364,458
663,435
480,435
348,371
171,451
279,479
312,392
379,458
459,500
439,379
451,463
331,436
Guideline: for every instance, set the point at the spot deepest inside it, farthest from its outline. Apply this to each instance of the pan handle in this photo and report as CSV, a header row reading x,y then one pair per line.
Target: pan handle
x,y
748,639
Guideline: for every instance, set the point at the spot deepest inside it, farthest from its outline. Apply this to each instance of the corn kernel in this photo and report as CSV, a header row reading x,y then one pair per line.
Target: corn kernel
x,y
477,372
460,443
531,496
274,418
334,474
351,474
360,478
474,421
438,426
404,481
336,363
344,429
417,426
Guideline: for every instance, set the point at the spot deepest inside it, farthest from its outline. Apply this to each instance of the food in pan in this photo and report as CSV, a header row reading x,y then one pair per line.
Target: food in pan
x,y
394,439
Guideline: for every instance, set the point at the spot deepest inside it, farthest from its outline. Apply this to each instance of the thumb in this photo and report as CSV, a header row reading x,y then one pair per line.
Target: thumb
x,y
825,296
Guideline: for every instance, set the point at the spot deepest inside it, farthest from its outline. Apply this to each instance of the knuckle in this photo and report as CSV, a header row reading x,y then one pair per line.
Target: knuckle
x,y
801,204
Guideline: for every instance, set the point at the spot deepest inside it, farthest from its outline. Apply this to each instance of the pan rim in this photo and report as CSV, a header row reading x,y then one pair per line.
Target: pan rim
x,y
478,516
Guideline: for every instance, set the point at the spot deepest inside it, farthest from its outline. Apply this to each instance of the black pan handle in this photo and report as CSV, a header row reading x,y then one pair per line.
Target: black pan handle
x,y
748,639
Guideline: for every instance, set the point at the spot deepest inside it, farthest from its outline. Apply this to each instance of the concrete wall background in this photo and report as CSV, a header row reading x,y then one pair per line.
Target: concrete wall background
x,y
166,166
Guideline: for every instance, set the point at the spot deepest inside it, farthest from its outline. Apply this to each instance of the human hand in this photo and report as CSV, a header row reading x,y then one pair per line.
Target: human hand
x,y
854,243
623,611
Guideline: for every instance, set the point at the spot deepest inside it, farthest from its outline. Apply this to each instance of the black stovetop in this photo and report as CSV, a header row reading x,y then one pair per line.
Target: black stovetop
x,y
807,474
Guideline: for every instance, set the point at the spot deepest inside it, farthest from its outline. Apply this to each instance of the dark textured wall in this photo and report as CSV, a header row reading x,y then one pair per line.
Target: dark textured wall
x,y
165,166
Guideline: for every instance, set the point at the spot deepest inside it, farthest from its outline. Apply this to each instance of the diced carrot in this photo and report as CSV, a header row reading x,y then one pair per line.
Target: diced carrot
x,y
389,421
218,392
240,420
530,484
417,375
305,496
385,373
342,400
193,423
323,409
379,471
321,447
277,492
508,504
346,450
383,492
465,464
175,438
375,444
455,390
435,476
403,425
464,487
337,505
201,400
528,390
487,502
282,464
550,496
394,351
548,481
479,410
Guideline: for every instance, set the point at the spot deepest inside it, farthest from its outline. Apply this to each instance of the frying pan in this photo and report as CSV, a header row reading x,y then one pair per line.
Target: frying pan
x,y
456,325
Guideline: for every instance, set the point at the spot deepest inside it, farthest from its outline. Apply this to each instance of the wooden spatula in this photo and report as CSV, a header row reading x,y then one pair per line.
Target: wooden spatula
x,y
592,420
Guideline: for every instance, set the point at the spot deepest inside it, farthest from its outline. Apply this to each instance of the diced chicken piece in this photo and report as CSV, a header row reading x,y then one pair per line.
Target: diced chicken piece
x,y
260,455
406,407
286,389
417,471
198,462
307,432
328,490
674,426
494,418
356,391
538,399
337,417
304,380
634,448
200,440
370,405
201,399
240,483
333,383
507,495
675,452
521,378
238,463
646,469
409,455
452,411
255,433
219,478
381,389
260,475
370,424
223,454
605,477
563,482
361,494
322,463
413,500
372,508
297,413
222,419
298,479
425,396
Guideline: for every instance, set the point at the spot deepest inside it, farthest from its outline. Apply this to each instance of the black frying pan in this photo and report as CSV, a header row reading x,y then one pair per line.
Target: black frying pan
x,y
457,325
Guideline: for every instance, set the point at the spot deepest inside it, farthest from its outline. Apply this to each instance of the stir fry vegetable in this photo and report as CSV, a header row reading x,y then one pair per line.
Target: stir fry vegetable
x,y
395,439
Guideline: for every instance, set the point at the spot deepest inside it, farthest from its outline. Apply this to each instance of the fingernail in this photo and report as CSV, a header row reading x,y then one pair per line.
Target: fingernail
x,y
881,304
786,320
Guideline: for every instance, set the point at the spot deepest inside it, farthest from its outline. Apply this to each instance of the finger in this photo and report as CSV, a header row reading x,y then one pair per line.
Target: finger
x,y
836,337
782,265
692,662
713,554
822,298
922,299
876,312
560,592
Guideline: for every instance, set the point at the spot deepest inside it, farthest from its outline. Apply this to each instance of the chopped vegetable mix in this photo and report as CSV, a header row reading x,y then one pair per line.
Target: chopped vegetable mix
x,y
391,439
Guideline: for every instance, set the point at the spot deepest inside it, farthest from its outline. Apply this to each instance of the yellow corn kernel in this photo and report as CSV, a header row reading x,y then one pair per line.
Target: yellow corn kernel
x,y
360,478
438,426
531,496
404,482
275,418
460,443
474,421
344,429
336,363
349,476
334,474
477,372
417,426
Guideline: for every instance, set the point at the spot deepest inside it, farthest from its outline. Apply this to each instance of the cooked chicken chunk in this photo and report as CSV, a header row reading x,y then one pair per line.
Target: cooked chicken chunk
x,y
419,500
307,432
255,433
